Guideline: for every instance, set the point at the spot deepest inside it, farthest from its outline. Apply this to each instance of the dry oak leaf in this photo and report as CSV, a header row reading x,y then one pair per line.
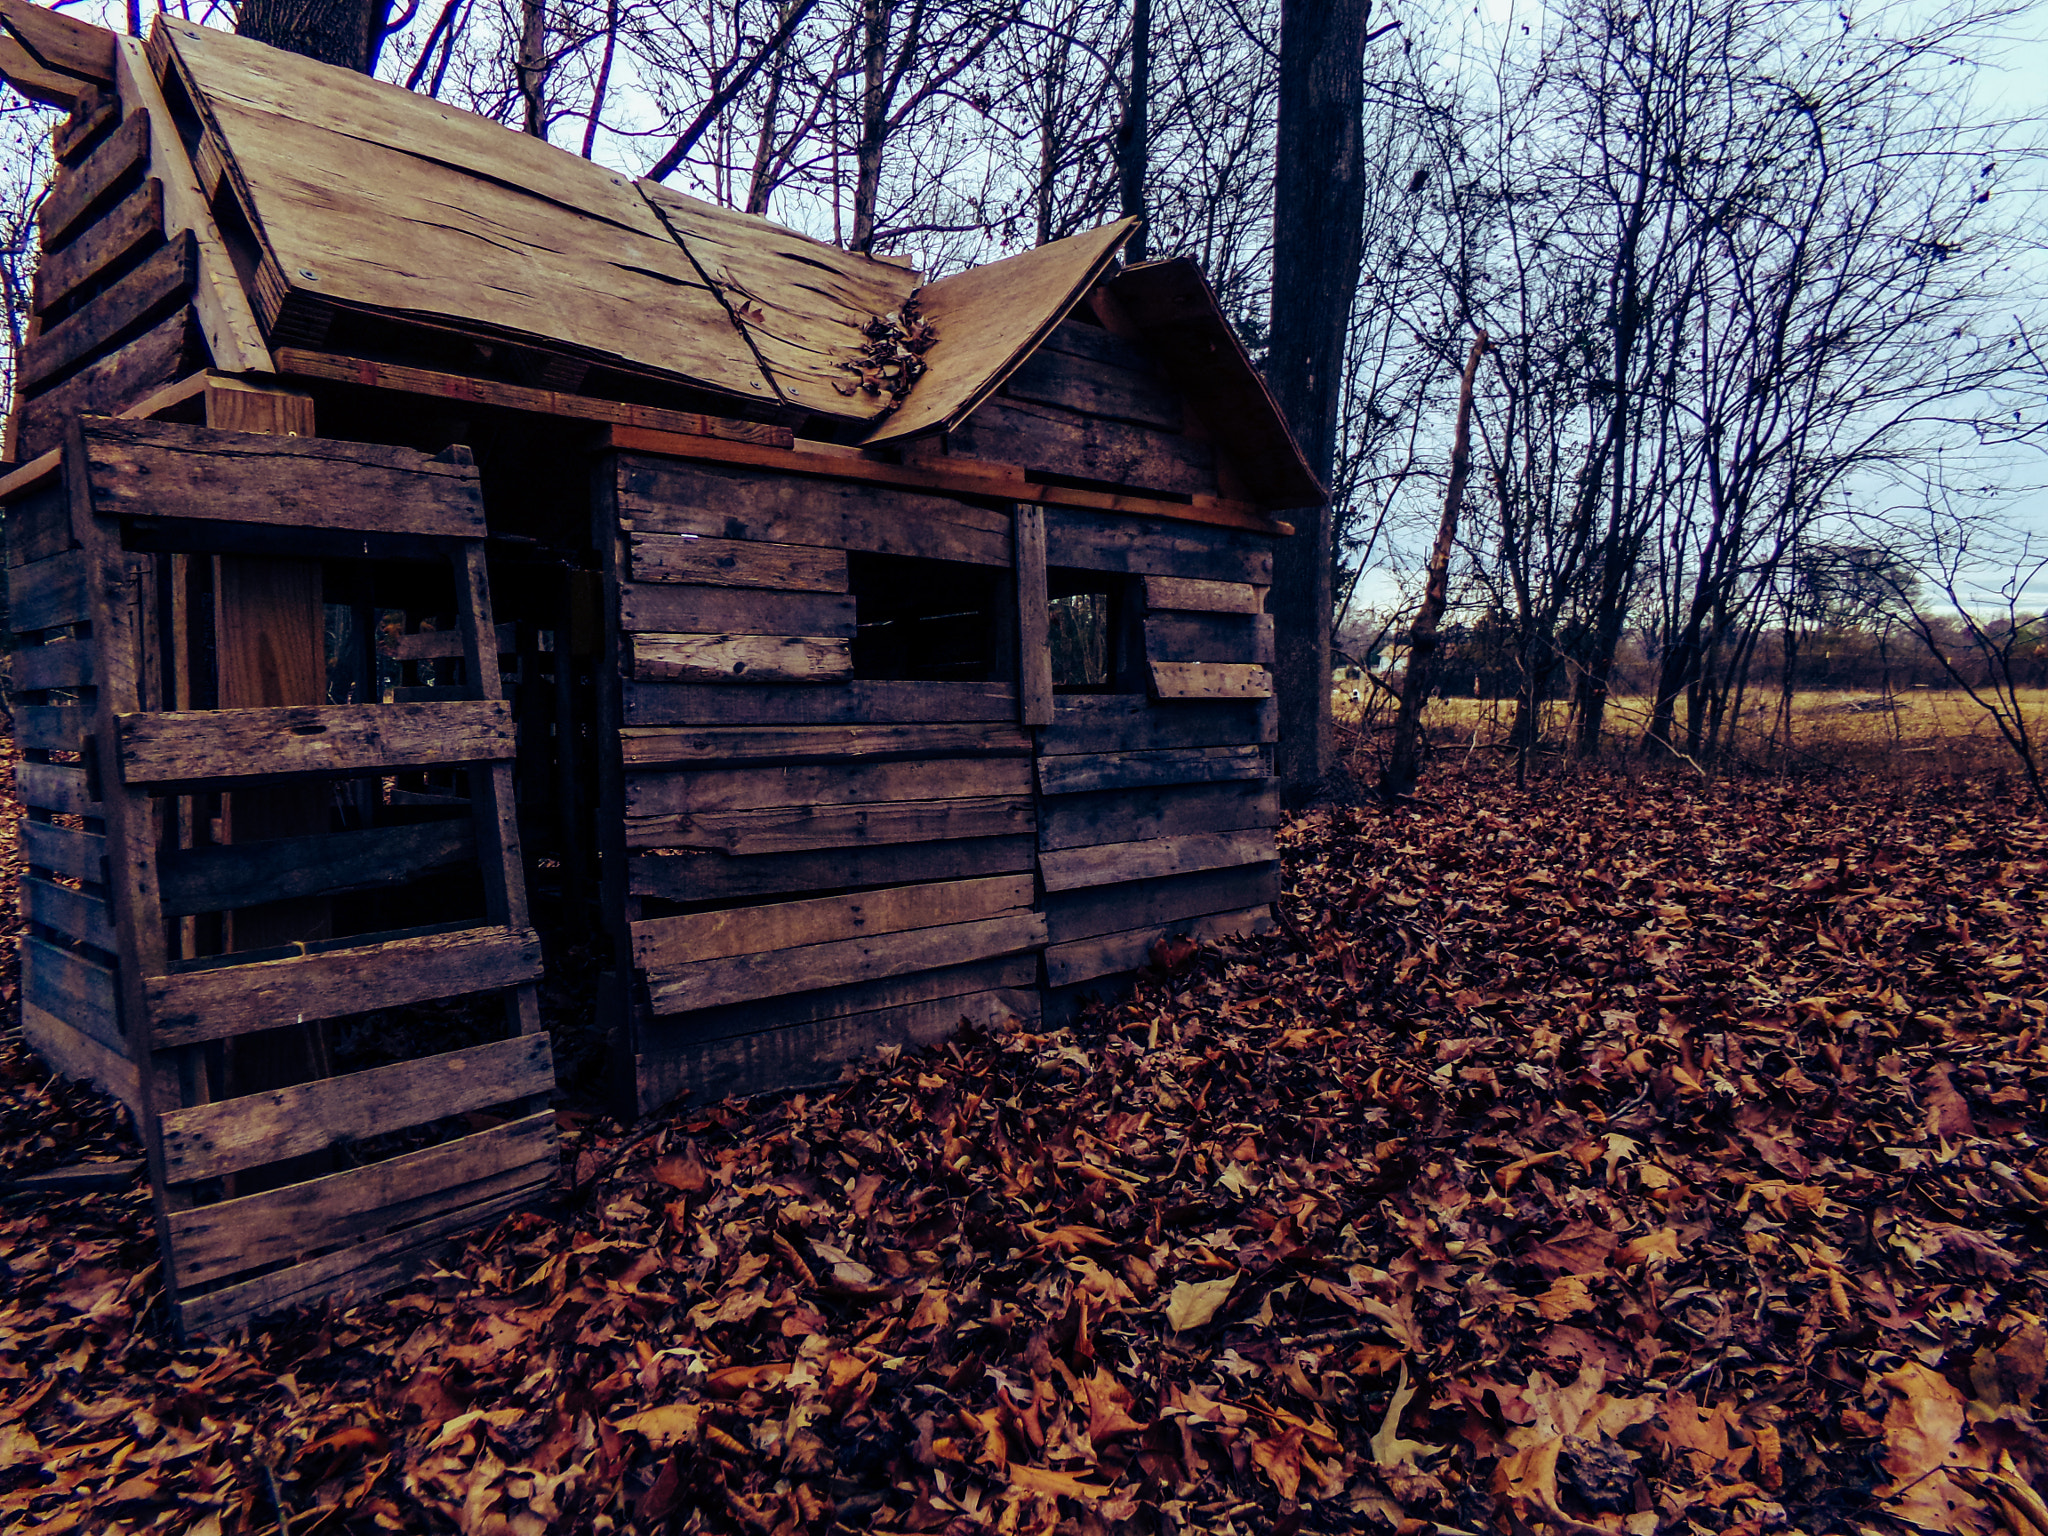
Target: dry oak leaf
x,y
1566,1297
1923,1437
672,1424
1194,1303
1659,1247
1042,1480
1280,1459
1388,1448
1109,1404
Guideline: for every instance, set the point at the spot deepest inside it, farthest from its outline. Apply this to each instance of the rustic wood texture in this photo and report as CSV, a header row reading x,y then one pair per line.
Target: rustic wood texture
x,y
1108,954
990,318
164,279
96,110
800,302
1211,680
209,1140
1081,772
50,727
1061,442
84,189
216,1241
55,787
180,747
1234,637
683,1032
664,496
1096,910
71,987
644,747
323,864
1084,368
1128,815
1034,655
231,1000
1114,863
662,943
1135,723
734,563
60,664
71,914
55,60
109,385
399,379
488,234
857,703
748,789
738,978
702,875
38,513
168,469
1154,546
134,222
47,593
794,829
81,1058
740,658
1177,594
64,851
685,610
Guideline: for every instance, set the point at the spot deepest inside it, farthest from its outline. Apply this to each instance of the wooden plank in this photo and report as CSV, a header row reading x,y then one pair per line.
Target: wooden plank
x,y
47,593
1092,911
55,787
212,1139
134,222
1210,680
1081,772
81,1058
1111,453
990,318
684,1032
38,515
71,914
67,985
857,703
437,644
110,385
484,235
215,1241
50,727
686,610
279,869
362,1270
740,658
708,876
659,747
1108,954
1060,373
64,851
751,789
63,46
1114,863
1177,594
1135,815
92,114
1210,637
1153,546
797,828
399,379
802,1054
738,978
189,746
163,279
231,1000
734,563
666,496
660,944
60,664
1034,653
80,190
170,469
1129,722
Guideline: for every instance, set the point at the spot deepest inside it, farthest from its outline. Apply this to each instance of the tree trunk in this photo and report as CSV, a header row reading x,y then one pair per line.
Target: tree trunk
x,y
867,152
1318,235
344,32
1404,762
533,66
1134,140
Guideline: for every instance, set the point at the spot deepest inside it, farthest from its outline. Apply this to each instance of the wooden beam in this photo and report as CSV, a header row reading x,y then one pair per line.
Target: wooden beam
x,y
190,746
52,58
1076,774
1034,651
737,563
1211,680
162,279
80,189
795,829
740,658
135,221
322,864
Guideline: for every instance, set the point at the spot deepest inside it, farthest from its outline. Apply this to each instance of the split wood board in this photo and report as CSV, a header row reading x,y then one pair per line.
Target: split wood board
x,y
989,319
110,385
81,1058
688,1031
75,915
661,943
711,983
798,828
1156,546
857,703
136,221
1114,863
800,302
230,1000
1177,594
370,195
64,851
665,608
1134,815
162,279
1096,910
642,747
82,189
191,746
45,594
736,563
1082,772
168,469
662,495
1059,442
739,658
1136,723
750,789
52,59
71,987
1106,955
1084,368
1211,680
1201,637
704,875
59,664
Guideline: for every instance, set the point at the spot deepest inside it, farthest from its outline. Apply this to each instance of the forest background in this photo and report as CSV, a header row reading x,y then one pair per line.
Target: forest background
x,y
1762,404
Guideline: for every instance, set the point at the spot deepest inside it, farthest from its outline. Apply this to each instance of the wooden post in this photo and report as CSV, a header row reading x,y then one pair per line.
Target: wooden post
x,y
1034,653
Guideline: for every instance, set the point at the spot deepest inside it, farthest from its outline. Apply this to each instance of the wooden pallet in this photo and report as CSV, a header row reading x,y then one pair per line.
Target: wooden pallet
x,y
105,893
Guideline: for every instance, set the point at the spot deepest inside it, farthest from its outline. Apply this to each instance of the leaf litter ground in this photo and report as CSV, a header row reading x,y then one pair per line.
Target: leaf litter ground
x,y
1615,1156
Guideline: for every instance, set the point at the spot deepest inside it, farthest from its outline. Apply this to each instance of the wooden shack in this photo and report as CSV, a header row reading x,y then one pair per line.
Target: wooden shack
x,y
432,557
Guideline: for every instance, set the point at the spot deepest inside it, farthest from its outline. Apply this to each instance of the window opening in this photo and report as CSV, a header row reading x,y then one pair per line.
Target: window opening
x,y
1081,619
922,620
